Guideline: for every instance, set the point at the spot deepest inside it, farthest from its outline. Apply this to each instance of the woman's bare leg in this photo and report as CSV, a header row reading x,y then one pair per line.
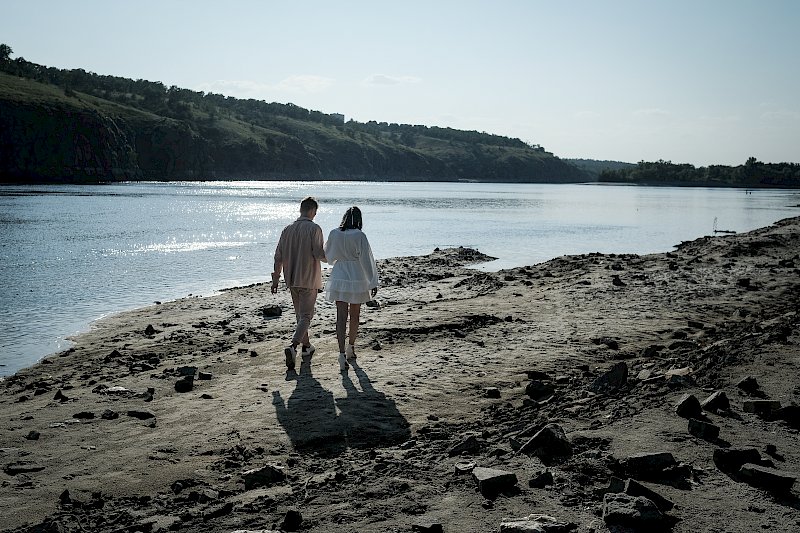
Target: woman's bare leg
x,y
355,314
341,323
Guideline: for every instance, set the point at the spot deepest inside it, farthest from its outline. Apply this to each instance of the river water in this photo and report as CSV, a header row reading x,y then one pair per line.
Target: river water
x,y
72,254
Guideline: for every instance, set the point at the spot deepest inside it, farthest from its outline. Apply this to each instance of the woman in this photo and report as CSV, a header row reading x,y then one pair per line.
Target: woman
x,y
353,280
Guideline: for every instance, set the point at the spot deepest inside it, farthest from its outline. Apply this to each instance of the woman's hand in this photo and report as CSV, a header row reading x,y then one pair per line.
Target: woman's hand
x,y
374,291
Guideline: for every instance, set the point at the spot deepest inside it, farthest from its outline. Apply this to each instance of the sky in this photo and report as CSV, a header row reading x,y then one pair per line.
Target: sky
x,y
703,82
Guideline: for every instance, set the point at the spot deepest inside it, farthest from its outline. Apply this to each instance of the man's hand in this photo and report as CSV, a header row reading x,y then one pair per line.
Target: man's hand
x,y
275,281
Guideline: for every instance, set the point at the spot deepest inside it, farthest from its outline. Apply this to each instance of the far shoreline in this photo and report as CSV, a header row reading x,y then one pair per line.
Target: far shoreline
x,y
675,184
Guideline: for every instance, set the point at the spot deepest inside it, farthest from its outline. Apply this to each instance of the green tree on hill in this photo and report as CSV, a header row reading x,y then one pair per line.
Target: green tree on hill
x,y
5,53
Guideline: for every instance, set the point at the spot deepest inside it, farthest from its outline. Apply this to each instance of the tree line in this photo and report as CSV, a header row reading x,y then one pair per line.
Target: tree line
x,y
752,173
179,103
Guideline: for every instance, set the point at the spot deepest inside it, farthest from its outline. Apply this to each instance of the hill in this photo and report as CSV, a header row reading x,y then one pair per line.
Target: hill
x,y
76,126
594,167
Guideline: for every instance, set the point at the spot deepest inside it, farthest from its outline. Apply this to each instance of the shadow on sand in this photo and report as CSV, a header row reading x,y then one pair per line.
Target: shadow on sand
x,y
365,417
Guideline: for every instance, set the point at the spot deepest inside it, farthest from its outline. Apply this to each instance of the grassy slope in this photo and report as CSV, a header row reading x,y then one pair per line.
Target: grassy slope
x,y
242,146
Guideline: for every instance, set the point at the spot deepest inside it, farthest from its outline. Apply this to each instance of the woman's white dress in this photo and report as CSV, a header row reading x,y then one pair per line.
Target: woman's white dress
x,y
354,271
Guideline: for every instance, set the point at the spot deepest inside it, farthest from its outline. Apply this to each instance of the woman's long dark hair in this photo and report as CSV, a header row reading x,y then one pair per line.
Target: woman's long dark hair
x,y
351,219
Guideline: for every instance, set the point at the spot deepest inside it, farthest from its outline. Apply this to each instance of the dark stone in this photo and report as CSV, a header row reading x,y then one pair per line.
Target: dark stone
x,y
748,384
607,341
652,350
292,520
771,449
789,414
427,527
695,324
33,435
108,414
84,415
634,488
763,408
676,381
182,484
743,282
537,375
471,445
648,465
688,406
539,390
150,330
617,282
265,476
216,512
703,430
615,485
271,311
730,460
185,384
492,482
549,442
187,370
204,375
718,401
60,396
541,479
22,468
203,495
631,511
767,478
615,378
491,392
683,345
141,415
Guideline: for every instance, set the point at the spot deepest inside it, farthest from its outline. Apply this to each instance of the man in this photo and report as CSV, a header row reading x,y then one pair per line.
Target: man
x,y
298,254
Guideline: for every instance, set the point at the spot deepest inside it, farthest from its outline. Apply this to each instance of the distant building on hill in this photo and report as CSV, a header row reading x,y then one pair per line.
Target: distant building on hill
x,y
338,116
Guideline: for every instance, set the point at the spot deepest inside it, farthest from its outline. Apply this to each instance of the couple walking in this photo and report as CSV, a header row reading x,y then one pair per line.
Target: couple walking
x,y
352,282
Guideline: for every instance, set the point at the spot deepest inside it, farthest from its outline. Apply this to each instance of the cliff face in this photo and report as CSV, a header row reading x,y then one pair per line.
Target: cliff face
x,y
51,135
42,143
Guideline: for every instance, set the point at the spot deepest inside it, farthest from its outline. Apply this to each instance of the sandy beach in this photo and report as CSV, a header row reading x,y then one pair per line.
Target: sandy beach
x,y
587,393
